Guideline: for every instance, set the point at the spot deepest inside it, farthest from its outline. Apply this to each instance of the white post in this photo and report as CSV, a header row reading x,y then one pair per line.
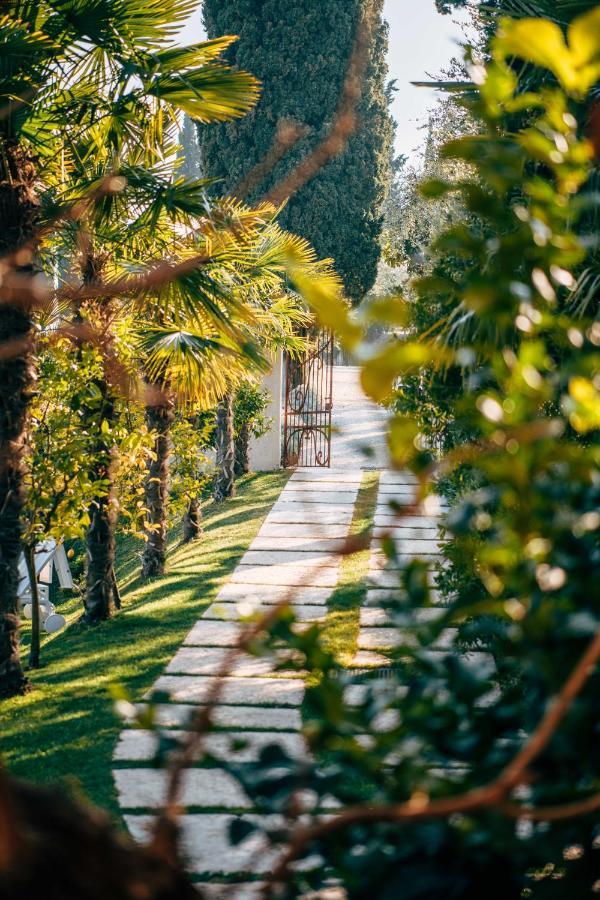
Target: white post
x,y
265,452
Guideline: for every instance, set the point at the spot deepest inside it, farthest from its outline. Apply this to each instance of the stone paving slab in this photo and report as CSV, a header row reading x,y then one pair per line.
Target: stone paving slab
x,y
314,512
379,638
292,575
408,533
388,522
269,719
325,476
389,594
208,660
367,659
230,612
391,638
137,745
306,545
392,477
375,617
235,690
380,561
322,498
398,489
290,557
414,546
321,487
270,594
291,514
206,844
395,510
146,789
208,633
386,578
302,531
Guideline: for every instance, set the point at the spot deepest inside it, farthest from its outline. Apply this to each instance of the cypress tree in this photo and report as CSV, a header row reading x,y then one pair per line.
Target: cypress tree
x,y
300,53
191,166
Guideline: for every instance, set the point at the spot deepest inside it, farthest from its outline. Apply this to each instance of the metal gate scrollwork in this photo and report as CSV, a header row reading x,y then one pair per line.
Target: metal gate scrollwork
x,y
308,404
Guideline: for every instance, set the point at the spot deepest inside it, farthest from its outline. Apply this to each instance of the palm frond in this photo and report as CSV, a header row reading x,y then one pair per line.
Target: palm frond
x,y
178,59
212,93
120,25
197,369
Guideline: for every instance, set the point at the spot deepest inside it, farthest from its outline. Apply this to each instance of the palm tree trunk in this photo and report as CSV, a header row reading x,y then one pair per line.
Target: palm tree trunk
x,y
224,485
159,420
242,450
100,599
18,216
192,521
101,590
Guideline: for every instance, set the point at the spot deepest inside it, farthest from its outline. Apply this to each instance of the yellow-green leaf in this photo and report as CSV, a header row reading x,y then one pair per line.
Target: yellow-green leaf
x,y
584,38
380,373
538,41
323,295
584,413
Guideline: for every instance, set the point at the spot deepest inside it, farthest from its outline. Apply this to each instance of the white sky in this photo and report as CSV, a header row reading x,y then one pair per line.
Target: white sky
x,y
421,43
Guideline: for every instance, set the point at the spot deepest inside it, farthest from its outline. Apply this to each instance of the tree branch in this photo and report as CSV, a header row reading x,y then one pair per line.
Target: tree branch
x,y
489,796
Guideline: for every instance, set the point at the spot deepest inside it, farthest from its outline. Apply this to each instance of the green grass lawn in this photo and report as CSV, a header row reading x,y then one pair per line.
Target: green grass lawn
x,y
341,627
65,729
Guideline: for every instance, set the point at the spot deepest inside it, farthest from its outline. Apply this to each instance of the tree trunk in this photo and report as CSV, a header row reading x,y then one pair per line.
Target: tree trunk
x,y
224,485
242,450
192,521
18,217
101,590
100,600
34,651
159,420
116,592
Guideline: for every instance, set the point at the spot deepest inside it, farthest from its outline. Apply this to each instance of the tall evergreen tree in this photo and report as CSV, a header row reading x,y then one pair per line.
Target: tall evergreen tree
x,y
300,53
191,166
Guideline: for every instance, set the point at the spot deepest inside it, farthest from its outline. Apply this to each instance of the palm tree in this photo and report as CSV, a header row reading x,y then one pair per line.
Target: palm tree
x,y
111,73
195,362
25,58
186,368
224,483
141,222
203,363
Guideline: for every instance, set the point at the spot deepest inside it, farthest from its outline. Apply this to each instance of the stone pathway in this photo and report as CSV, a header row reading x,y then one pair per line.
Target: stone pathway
x,y
359,424
296,550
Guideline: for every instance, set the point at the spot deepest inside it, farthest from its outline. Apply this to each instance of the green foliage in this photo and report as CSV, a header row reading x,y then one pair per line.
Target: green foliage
x,y
111,70
339,211
411,757
191,469
60,486
249,406
66,418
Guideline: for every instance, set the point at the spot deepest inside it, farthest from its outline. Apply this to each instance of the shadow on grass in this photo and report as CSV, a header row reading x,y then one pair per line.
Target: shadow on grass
x,y
65,729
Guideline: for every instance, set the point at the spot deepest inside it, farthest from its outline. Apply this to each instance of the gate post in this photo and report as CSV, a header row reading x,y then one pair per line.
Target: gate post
x,y
265,452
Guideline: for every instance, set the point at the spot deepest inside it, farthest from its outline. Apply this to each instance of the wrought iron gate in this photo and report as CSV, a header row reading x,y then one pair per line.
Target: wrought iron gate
x,y
308,404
